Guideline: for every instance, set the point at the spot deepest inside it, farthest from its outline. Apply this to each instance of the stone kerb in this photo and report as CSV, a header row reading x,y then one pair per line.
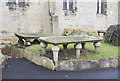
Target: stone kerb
x,y
87,64
69,65
108,62
92,64
74,65
37,59
2,45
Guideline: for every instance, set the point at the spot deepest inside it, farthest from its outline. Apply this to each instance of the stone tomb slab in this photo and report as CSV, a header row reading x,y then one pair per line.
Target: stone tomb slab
x,y
27,37
65,40
55,40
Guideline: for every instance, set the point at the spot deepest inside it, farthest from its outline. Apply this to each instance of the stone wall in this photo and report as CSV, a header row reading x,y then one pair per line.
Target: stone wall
x,y
37,18
86,16
30,20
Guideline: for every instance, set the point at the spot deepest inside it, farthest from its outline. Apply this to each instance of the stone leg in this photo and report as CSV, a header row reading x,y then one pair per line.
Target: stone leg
x,y
78,47
83,45
55,50
97,45
43,47
20,41
28,42
65,50
65,46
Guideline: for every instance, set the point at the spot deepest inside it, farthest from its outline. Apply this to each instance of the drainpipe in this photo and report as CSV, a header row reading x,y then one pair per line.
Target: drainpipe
x,y
50,14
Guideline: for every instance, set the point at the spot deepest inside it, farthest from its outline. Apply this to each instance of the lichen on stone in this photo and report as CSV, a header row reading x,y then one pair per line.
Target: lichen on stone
x,y
90,31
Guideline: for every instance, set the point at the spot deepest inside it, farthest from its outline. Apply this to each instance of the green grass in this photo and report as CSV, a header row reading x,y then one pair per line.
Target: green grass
x,y
106,50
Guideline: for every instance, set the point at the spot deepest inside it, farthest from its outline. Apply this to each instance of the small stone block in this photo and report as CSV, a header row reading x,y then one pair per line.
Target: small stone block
x,y
2,46
87,65
67,65
108,62
46,62
97,44
37,59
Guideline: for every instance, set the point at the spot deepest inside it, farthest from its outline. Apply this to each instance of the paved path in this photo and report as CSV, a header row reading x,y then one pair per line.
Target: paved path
x,y
23,69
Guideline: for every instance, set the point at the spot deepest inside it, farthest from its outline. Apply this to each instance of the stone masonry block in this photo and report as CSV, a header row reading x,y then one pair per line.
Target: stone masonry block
x,y
67,65
108,62
87,65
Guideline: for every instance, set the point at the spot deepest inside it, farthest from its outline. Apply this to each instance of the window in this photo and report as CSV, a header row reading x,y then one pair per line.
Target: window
x,y
11,1
102,7
14,4
16,1
11,4
21,3
68,5
64,4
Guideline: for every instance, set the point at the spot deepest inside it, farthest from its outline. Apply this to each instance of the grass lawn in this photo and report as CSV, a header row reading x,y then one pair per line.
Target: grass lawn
x,y
106,50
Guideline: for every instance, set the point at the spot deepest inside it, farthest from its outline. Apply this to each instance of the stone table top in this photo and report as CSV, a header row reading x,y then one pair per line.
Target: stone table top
x,y
69,39
31,35
101,31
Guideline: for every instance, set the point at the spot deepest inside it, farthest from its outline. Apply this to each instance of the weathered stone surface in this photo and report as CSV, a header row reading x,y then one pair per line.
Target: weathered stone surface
x,y
78,47
55,50
43,61
28,55
70,39
46,62
108,62
21,52
7,57
37,59
87,65
67,65
43,47
97,45
4,42
2,57
2,46
16,51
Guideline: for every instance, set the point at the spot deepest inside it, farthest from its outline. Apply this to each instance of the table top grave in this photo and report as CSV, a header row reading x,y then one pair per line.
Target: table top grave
x,y
31,35
70,39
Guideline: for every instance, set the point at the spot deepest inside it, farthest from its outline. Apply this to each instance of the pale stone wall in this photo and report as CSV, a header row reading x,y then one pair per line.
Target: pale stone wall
x,y
18,21
86,16
38,20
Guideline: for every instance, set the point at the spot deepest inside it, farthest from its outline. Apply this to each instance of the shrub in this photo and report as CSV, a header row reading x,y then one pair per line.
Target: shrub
x,y
89,31
68,32
110,36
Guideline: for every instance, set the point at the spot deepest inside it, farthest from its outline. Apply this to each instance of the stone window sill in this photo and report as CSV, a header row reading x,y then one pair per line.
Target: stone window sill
x,y
69,13
102,15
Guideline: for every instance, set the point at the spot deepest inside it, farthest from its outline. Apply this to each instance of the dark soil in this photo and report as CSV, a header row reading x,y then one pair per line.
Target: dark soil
x,y
66,54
